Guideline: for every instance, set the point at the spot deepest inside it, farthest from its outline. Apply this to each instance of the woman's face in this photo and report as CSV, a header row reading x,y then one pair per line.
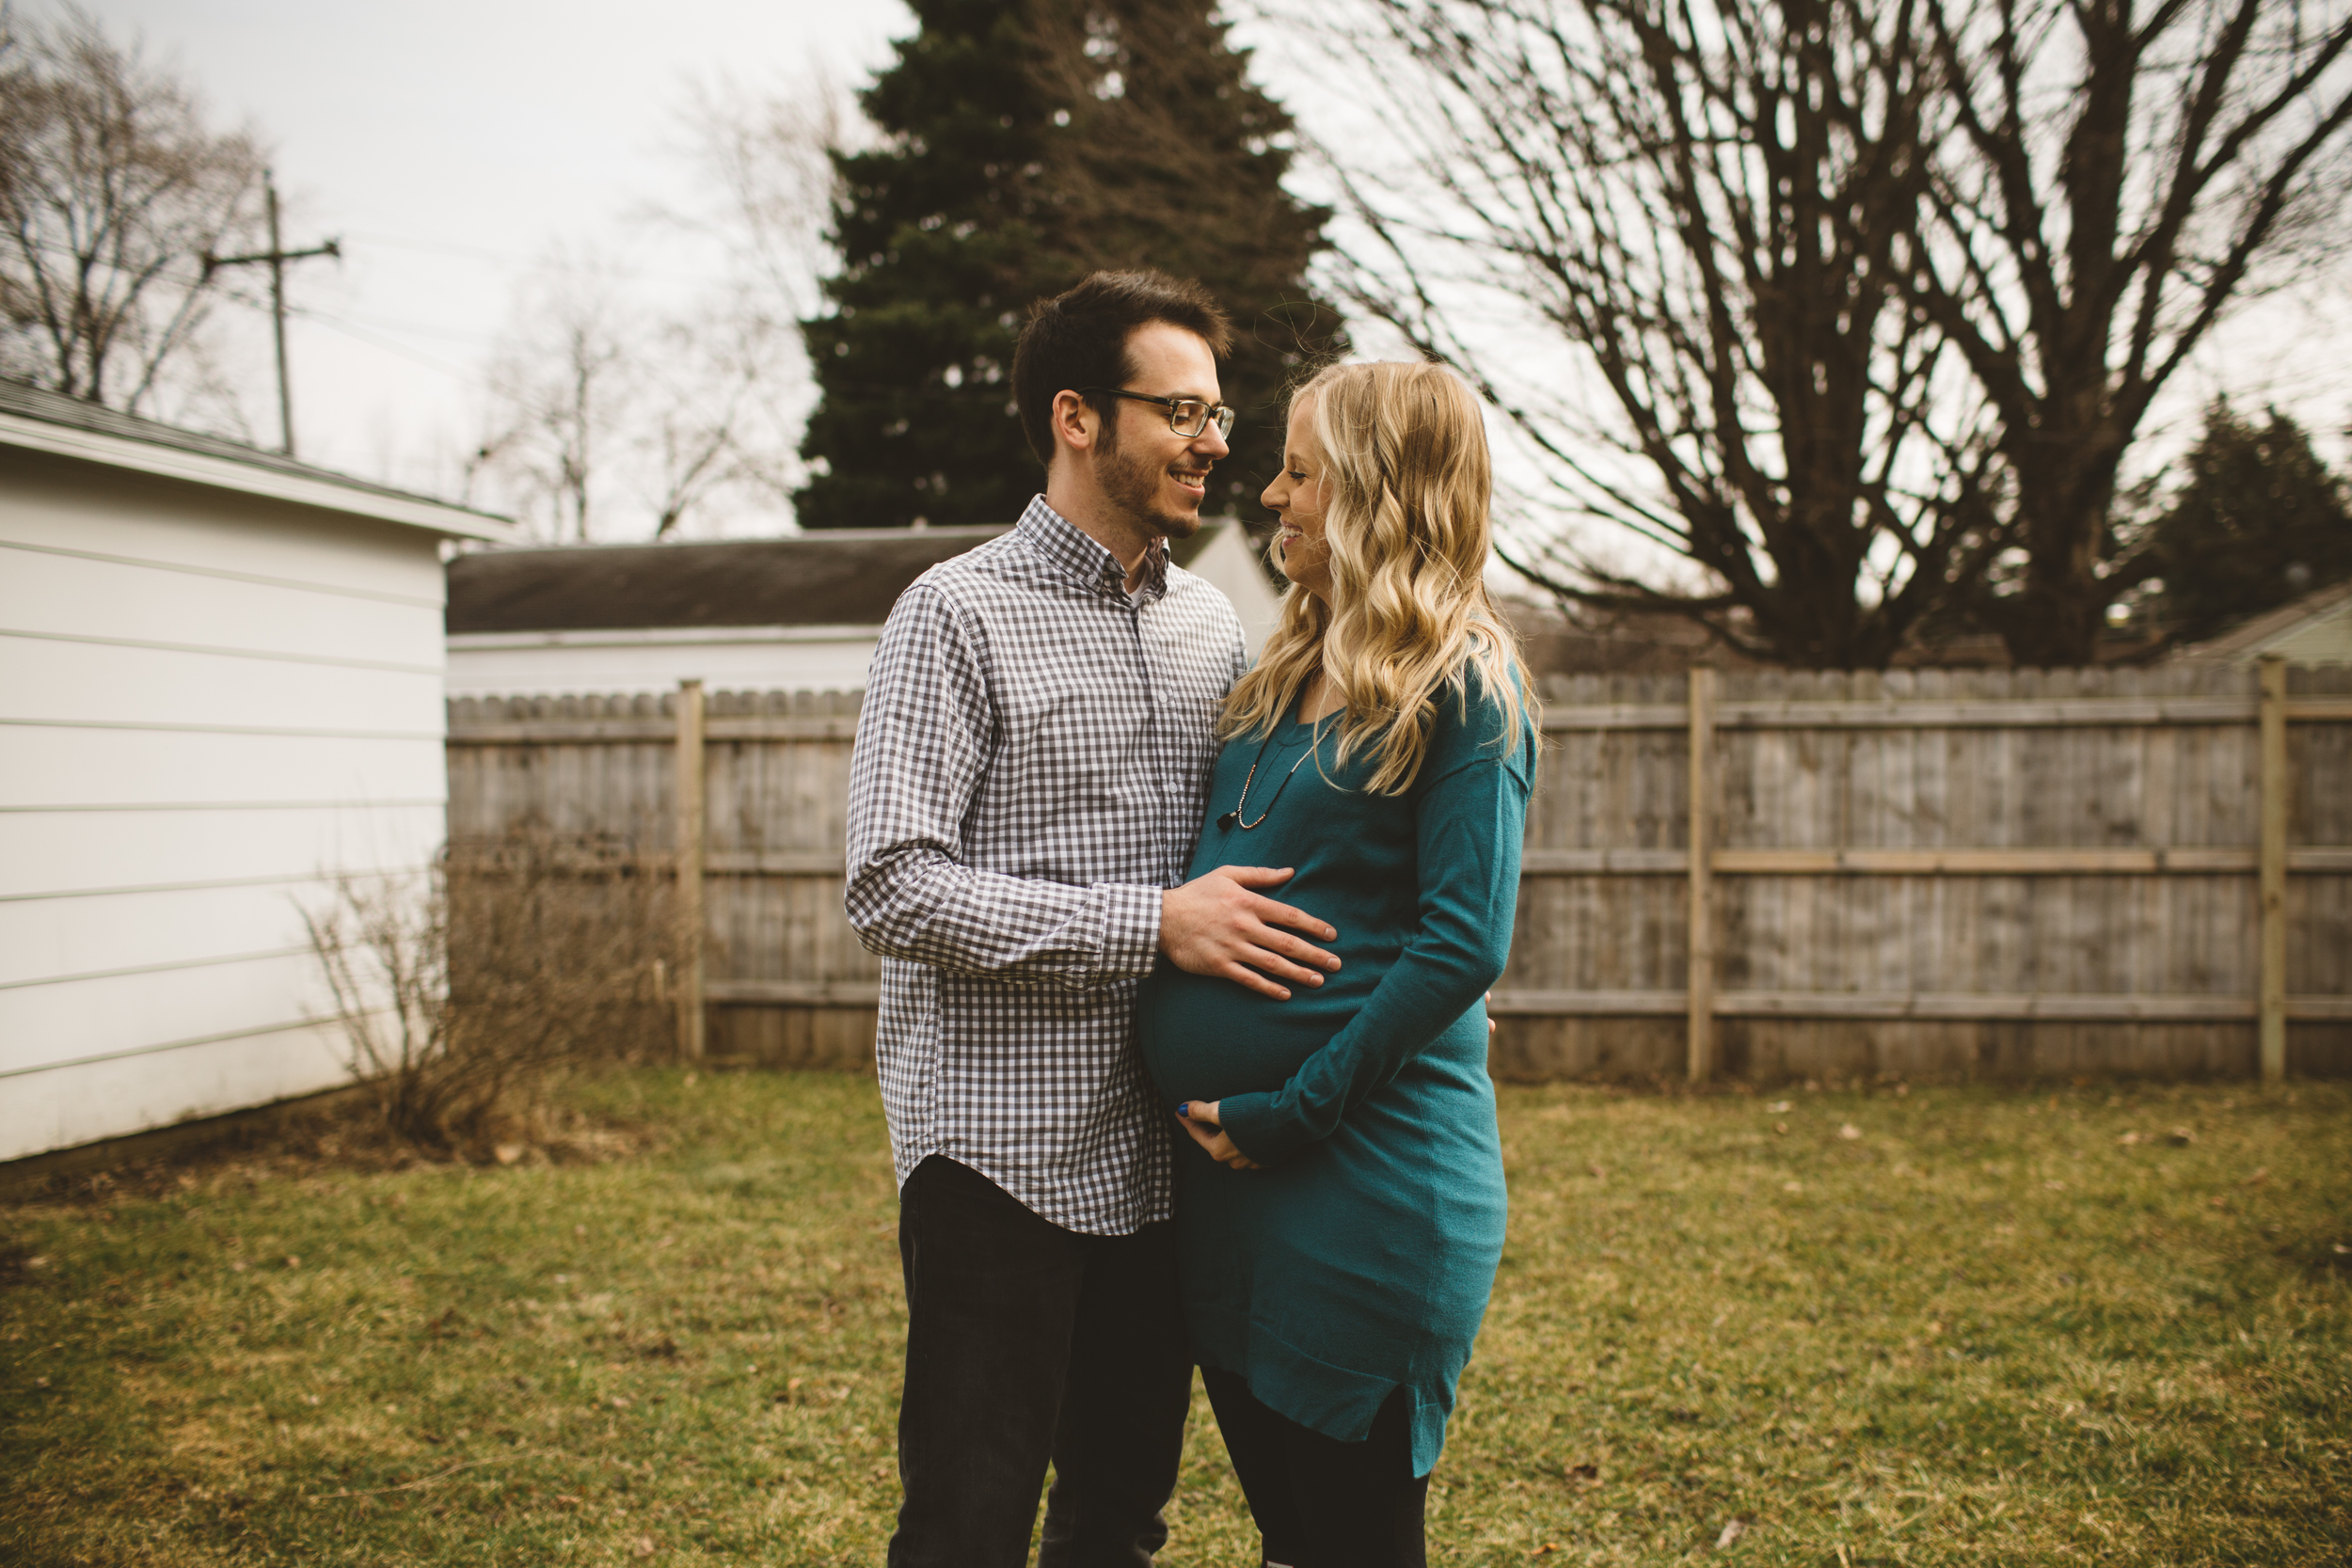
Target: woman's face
x,y
1296,496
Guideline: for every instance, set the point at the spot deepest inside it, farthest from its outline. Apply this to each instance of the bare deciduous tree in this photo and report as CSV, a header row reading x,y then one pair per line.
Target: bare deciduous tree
x,y
765,161
1704,202
2113,178
621,408
1871,295
112,190
559,390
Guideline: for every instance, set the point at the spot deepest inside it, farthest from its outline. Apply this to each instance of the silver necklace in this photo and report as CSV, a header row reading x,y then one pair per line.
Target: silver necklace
x,y
1233,818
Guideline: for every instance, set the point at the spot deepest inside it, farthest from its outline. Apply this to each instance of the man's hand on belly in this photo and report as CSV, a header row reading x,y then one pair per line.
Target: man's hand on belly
x,y
1214,924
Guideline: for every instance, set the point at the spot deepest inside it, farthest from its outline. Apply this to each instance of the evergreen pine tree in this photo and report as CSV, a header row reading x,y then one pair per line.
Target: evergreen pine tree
x,y
1026,144
2259,521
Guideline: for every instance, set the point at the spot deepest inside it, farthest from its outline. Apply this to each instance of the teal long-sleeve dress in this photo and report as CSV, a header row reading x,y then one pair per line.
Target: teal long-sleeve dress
x,y
1361,1258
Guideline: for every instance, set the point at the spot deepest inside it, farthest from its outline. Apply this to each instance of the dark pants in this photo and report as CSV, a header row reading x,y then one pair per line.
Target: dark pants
x,y
1319,1502
1024,1342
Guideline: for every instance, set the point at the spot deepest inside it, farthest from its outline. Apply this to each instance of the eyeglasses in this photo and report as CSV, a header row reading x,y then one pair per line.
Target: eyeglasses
x,y
1187,417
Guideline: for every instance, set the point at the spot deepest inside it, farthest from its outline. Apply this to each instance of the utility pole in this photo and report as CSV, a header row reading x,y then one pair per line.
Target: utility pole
x,y
275,258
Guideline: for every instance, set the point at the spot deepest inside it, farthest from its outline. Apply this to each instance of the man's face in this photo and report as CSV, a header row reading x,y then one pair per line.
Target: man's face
x,y
1148,472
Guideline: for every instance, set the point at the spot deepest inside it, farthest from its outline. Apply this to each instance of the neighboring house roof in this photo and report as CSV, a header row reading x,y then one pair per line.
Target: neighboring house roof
x,y
2313,629
828,578
36,420
838,577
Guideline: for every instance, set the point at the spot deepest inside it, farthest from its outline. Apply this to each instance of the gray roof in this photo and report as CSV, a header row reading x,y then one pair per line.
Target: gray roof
x,y
73,413
828,578
840,576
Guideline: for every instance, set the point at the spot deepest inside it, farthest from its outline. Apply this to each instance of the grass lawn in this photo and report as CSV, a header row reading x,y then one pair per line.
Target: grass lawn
x,y
1948,1326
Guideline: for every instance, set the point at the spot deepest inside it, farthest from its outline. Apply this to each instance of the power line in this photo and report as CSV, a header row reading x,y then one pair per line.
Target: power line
x,y
358,333
517,263
399,323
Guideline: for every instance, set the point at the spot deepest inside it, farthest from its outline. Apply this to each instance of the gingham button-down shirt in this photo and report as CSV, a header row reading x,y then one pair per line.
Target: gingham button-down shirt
x,y
1030,769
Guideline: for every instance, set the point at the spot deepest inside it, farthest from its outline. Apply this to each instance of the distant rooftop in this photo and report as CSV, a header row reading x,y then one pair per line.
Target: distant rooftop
x,y
2314,628
824,577
838,576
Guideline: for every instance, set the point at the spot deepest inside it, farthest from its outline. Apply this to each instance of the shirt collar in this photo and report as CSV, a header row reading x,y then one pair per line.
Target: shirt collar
x,y
1065,545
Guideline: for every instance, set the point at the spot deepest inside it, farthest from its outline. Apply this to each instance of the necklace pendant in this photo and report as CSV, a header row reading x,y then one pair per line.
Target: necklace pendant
x,y
1225,823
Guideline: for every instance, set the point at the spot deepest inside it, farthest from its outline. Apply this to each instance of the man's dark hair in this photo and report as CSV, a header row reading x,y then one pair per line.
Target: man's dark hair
x,y
1079,339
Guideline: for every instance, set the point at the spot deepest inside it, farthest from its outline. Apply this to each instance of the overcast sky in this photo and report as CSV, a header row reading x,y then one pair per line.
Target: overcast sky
x,y
451,144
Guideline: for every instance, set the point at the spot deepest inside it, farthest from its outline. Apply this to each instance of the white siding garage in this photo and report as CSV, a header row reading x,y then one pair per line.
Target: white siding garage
x,y
220,689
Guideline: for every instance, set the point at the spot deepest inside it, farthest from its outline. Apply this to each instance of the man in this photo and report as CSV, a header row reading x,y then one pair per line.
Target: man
x,y
1030,764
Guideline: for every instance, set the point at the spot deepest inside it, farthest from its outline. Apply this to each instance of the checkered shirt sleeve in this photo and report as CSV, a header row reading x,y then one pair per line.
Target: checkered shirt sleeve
x,y
1032,763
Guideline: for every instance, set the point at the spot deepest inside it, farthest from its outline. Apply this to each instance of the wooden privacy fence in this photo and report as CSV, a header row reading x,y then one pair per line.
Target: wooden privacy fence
x,y
1933,872
744,792
1991,872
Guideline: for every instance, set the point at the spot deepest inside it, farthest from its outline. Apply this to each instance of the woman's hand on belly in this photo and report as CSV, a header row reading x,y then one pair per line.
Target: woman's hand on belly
x,y
1198,1117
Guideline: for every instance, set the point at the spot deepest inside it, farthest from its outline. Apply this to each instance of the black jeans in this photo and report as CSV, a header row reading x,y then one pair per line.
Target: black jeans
x,y
1027,1342
1319,1502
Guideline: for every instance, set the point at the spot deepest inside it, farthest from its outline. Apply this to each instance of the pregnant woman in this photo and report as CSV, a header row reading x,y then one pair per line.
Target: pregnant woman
x,y
1340,1202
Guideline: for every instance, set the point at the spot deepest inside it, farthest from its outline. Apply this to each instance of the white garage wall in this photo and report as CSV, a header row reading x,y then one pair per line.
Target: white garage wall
x,y
211,706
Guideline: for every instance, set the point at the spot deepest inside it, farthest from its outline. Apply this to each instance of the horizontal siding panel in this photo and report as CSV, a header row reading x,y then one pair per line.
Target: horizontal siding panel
x,y
43,592
172,524
83,684
46,854
143,767
43,939
73,1020
81,1104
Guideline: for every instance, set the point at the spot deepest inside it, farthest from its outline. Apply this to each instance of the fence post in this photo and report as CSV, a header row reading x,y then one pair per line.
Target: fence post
x,y
1702,856
2271,1005
692,1021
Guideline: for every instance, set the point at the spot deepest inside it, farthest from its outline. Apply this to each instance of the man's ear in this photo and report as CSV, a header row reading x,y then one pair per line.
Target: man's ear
x,y
1075,422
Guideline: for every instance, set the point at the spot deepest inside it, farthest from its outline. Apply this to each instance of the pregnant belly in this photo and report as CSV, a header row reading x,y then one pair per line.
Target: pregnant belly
x,y
1204,1038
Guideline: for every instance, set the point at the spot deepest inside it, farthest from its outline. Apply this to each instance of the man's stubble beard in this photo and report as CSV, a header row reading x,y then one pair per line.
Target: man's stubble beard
x,y
1133,488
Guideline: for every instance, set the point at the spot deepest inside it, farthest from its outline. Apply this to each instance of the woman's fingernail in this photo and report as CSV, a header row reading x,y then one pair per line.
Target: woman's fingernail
x,y
1185,1110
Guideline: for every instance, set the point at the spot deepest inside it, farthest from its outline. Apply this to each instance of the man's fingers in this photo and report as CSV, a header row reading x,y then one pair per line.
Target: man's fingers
x,y
1273,939
1251,979
1214,925
1287,959
1297,919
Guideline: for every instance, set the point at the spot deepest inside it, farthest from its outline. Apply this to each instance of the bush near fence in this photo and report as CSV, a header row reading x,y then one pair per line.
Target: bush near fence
x,y
1924,874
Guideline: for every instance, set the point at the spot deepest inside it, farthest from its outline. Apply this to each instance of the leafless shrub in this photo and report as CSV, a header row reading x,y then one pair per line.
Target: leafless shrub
x,y
518,961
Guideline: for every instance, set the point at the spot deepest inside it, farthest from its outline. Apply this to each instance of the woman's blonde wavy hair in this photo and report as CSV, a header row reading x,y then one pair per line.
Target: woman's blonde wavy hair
x,y
1406,489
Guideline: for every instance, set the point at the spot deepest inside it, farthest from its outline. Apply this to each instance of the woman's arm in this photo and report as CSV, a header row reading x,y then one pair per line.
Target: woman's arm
x,y
1469,821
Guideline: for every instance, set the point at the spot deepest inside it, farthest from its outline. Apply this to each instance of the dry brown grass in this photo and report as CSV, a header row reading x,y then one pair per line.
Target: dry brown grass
x,y
1983,1330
